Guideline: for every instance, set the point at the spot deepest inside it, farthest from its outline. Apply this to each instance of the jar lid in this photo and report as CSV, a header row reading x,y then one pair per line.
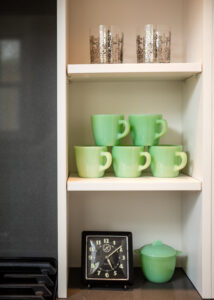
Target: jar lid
x,y
158,249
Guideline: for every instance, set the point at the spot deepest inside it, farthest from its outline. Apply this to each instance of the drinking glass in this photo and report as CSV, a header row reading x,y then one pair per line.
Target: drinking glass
x,y
163,43
106,45
146,44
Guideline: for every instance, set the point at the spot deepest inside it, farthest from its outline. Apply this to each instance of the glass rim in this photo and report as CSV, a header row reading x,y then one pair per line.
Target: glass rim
x,y
141,28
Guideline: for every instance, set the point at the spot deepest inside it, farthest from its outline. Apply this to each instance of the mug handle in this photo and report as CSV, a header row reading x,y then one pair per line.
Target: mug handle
x,y
126,129
183,163
108,157
164,126
147,163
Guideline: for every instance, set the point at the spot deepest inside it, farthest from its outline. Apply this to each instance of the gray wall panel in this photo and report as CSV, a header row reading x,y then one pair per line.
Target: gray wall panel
x,y
28,133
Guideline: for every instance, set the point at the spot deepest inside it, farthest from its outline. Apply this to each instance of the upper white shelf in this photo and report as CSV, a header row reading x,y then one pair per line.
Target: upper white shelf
x,y
145,183
169,71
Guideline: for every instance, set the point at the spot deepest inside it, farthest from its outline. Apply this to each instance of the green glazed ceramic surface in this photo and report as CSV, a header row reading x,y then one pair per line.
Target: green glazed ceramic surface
x,y
108,130
147,129
158,261
157,249
128,161
92,161
158,270
167,160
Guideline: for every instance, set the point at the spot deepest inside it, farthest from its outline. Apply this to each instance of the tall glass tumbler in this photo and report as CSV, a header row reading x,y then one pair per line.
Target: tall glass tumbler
x,y
163,43
106,45
99,44
115,43
146,52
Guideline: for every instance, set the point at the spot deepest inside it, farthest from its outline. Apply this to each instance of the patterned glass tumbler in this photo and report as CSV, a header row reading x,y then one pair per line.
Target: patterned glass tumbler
x,y
163,44
106,45
115,49
146,44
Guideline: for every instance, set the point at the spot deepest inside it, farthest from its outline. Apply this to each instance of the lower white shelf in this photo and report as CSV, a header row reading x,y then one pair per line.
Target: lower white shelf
x,y
144,183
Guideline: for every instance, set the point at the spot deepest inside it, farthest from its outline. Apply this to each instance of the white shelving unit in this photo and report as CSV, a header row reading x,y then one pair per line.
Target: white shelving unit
x,y
145,183
176,210
171,71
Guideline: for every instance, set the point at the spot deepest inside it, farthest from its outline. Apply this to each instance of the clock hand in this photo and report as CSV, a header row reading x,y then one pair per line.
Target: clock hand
x,y
113,252
109,262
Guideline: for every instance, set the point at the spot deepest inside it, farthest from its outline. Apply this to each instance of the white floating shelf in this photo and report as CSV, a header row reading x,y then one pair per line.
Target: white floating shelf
x,y
145,183
168,71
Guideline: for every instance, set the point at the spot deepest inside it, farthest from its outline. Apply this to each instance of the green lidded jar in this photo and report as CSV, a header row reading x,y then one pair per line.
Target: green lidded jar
x,y
158,261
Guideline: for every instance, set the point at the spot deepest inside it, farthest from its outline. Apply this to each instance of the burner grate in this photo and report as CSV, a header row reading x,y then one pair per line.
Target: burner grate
x,y
28,278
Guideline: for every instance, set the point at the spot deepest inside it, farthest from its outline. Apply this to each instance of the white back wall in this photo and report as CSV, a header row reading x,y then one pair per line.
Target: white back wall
x,y
128,15
148,215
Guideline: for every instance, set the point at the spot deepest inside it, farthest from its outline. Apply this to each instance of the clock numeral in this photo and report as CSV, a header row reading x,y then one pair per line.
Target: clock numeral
x,y
121,266
98,272
91,249
123,257
98,242
115,273
107,275
121,249
106,241
114,243
90,257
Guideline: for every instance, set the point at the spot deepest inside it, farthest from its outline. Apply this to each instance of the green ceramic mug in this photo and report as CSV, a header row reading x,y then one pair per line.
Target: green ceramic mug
x,y
92,161
128,161
108,130
147,129
167,160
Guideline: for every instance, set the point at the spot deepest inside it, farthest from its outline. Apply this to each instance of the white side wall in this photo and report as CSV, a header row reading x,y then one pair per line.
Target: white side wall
x,y
62,163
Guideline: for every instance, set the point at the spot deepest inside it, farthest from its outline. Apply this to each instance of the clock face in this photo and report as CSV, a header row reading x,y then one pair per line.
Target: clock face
x,y
106,257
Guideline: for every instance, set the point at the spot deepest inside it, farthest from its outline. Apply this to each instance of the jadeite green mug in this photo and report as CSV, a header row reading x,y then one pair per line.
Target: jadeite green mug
x,y
128,161
92,161
108,130
167,160
147,129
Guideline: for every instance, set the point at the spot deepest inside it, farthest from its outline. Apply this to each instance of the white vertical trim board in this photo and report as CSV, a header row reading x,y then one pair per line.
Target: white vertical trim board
x,y
206,151
62,148
212,151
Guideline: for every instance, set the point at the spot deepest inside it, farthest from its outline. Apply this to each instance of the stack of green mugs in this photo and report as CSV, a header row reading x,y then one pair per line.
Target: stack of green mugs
x,y
129,161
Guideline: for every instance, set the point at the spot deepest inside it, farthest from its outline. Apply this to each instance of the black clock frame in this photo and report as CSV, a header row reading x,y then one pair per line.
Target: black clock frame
x,y
104,282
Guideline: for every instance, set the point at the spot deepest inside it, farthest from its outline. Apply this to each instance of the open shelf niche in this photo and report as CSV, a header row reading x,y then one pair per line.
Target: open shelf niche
x,y
175,210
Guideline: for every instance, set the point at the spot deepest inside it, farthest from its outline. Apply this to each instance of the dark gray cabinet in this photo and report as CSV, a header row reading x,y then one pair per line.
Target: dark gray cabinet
x,y
28,135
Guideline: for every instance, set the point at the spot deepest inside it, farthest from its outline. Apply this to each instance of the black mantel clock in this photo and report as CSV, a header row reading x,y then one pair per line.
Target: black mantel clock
x,y
107,258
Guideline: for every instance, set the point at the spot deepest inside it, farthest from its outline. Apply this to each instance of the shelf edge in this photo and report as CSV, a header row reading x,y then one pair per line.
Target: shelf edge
x,y
147,183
